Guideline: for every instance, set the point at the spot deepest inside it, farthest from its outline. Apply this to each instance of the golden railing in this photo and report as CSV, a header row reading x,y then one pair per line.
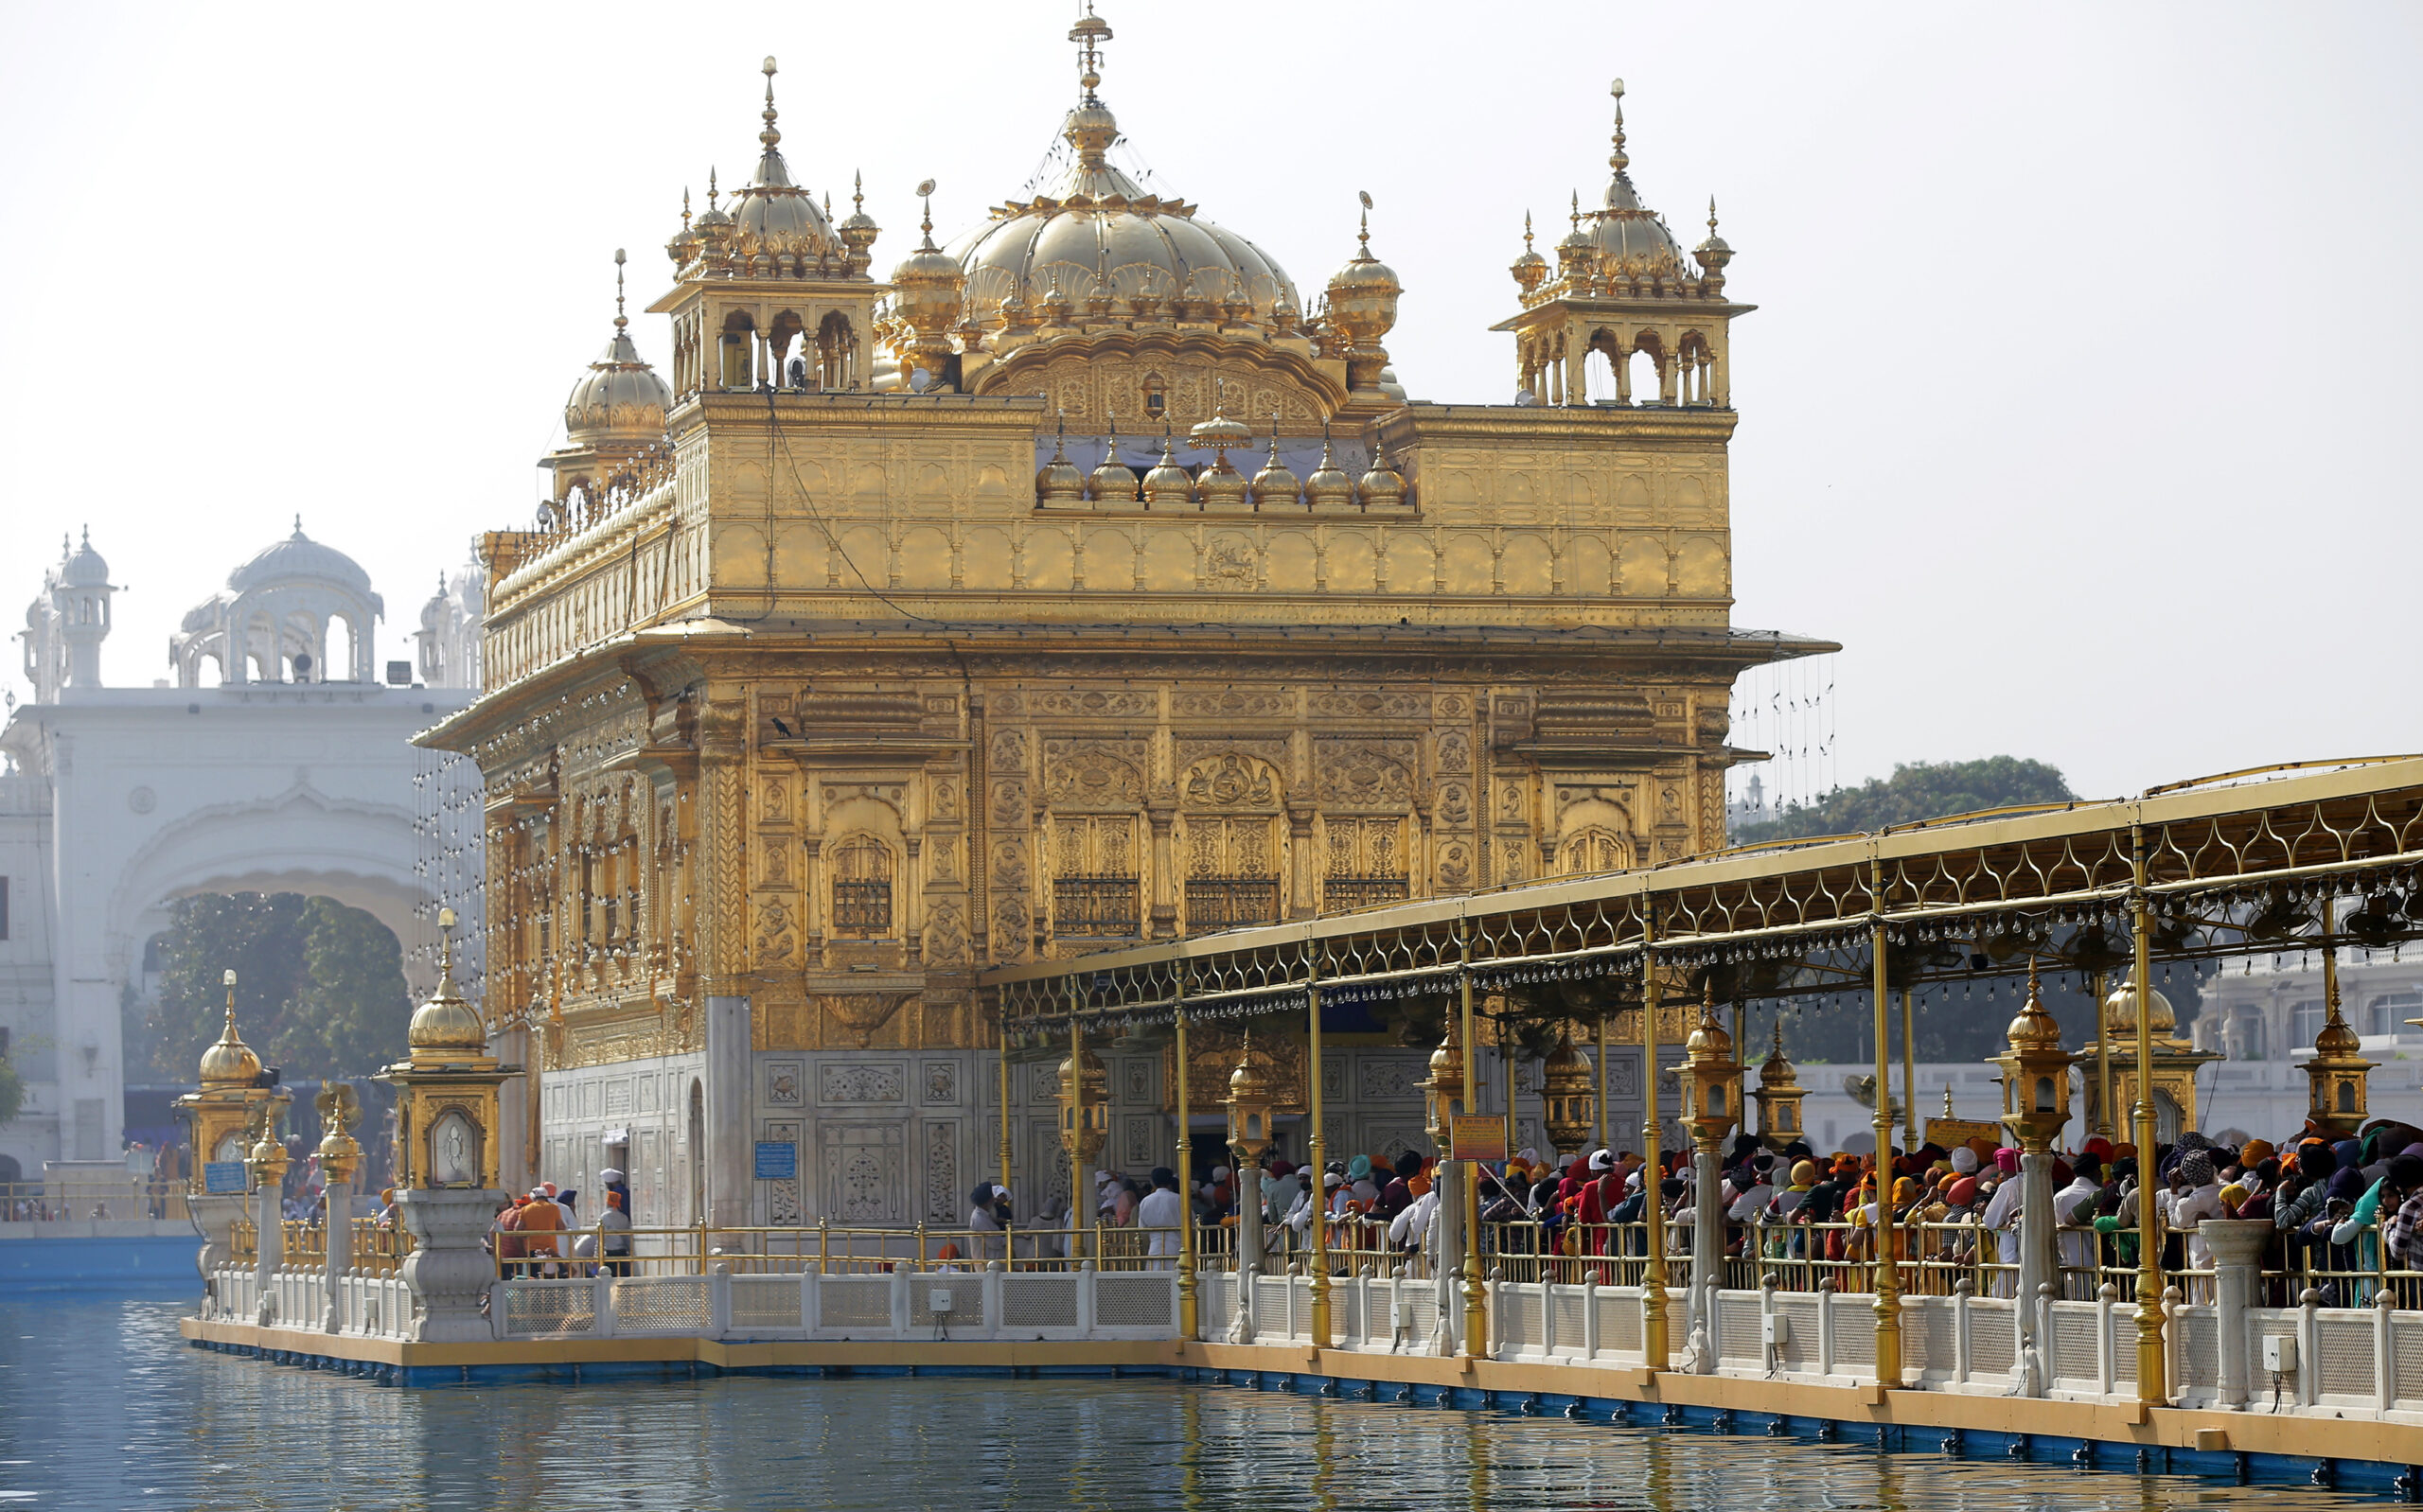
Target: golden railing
x,y
376,1250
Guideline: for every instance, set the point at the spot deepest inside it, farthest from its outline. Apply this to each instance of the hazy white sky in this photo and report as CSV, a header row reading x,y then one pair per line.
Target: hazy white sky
x,y
2074,406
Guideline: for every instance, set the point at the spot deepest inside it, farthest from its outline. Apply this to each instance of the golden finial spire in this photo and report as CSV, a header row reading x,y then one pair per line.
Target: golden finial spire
x,y
1577,209
859,190
1088,33
1527,225
711,188
828,204
685,207
1619,159
925,227
1711,215
619,322
770,135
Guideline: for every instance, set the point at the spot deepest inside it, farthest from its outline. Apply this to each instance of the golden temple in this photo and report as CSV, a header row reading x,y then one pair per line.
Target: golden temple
x,y
899,635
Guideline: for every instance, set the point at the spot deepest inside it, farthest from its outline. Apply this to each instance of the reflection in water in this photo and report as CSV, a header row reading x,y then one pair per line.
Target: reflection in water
x,y
102,1404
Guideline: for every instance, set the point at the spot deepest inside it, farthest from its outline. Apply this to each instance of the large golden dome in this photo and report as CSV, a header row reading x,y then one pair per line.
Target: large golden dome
x,y
1623,238
2121,1009
1094,225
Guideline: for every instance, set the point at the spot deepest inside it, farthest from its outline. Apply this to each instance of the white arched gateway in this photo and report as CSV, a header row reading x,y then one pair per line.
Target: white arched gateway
x,y
290,775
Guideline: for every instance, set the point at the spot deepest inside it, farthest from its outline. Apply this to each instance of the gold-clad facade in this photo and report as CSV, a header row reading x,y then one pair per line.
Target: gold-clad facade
x,y
938,628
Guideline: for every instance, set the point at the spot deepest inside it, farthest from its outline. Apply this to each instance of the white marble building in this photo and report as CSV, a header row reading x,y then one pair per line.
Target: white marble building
x,y
275,761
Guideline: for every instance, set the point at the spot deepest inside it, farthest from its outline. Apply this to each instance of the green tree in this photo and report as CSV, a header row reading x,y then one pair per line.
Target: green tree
x,y
13,1093
319,986
1917,790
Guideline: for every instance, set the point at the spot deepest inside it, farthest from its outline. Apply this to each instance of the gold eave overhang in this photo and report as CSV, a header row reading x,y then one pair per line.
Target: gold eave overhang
x,y
693,278
1607,305
1425,422
849,751
457,732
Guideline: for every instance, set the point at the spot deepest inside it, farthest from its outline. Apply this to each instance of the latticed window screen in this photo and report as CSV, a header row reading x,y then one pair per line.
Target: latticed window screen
x,y
1231,872
862,889
1093,884
1366,862
1595,851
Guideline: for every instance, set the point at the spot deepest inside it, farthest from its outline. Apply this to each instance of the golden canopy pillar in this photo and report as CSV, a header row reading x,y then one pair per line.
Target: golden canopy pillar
x,y
2174,1064
1249,1104
446,1169
1084,1122
218,1115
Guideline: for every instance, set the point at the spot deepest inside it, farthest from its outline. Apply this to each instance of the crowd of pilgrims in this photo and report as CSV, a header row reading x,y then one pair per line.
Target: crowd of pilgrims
x,y
2343,1204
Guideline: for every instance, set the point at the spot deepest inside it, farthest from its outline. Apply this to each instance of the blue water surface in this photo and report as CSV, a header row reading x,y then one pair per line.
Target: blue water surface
x,y
103,1405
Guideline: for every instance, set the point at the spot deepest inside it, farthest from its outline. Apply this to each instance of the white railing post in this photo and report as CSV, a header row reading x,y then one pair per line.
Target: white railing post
x,y
1086,1273
601,1304
1770,1356
900,1313
811,1300
500,1303
1962,1292
719,1301
2384,1384
1590,1317
2106,1297
2309,1357
1825,1324
996,1315
1242,1329
2238,1246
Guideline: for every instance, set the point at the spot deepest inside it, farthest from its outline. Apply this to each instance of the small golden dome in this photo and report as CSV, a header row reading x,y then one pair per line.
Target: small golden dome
x,y
1114,481
620,399
1708,1042
1382,483
230,1062
1329,485
1276,483
446,1023
1168,482
2336,1041
1530,270
1249,1082
1220,430
2034,1028
1447,1063
2120,1010
1774,1071
1059,481
1566,1063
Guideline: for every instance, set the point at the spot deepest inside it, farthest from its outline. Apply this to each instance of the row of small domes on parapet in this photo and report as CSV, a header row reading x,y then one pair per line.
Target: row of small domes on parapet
x,y
1218,484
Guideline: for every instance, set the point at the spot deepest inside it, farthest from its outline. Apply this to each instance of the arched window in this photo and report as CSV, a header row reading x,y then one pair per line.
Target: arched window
x,y
1157,395
836,352
738,358
1594,849
1367,862
862,889
1229,809
1094,889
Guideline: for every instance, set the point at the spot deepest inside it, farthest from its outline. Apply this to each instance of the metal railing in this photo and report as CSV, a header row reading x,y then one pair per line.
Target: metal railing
x,y
1340,893
825,1249
136,1197
376,1250
1101,907
1224,902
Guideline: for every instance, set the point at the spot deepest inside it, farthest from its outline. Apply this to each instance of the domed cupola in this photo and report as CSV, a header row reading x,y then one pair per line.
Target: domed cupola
x,y
859,231
776,228
298,559
1632,242
1092,221
1362,299
1530,270
927,293
84,568
619,402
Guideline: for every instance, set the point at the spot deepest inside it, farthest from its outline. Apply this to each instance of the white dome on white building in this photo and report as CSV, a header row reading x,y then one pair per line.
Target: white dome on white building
x,y
274,620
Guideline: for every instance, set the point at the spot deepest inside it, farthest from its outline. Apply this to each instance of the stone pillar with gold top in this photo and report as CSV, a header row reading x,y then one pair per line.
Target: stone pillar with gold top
x,y
1713,1075
340,1157
217,1117
267,1160
447,1189
1248,1105
2036,1107
1443,1098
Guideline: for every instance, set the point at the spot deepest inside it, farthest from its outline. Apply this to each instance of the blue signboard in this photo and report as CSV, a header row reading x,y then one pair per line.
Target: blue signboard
x,y
777,1162
222,1178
